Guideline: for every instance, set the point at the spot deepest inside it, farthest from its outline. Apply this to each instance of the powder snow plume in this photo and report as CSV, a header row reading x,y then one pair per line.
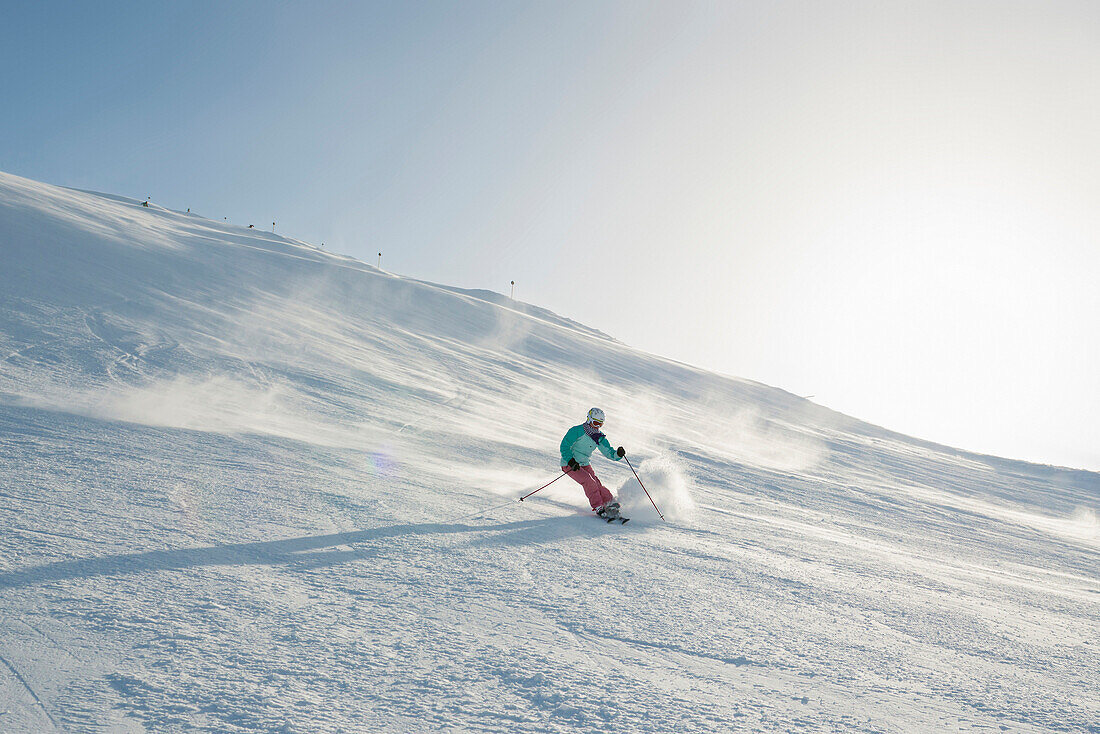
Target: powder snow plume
x,y
666,484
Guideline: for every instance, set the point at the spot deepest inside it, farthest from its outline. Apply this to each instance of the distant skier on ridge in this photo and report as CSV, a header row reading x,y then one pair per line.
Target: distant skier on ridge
x,y
576,456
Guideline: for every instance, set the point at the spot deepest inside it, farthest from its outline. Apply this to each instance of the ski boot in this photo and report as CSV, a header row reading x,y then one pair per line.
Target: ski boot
x,y
609,511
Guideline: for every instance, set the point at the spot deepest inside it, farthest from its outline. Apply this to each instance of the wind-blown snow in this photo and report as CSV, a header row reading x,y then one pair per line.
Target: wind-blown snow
x,y
251,486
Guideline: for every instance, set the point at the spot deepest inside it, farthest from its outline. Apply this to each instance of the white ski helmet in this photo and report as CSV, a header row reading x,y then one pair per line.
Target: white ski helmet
x,y
595,415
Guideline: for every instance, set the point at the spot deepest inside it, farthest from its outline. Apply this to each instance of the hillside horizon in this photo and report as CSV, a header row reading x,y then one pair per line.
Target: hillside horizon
x,y
504,301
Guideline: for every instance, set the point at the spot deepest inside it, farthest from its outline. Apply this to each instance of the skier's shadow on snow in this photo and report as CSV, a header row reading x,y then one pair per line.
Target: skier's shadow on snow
x,y
297,553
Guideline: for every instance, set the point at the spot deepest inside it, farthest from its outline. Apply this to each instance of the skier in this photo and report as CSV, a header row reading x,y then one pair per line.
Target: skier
x,y
576,454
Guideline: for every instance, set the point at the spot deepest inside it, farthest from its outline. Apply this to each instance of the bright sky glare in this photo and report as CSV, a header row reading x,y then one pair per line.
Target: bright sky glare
x,y
892,206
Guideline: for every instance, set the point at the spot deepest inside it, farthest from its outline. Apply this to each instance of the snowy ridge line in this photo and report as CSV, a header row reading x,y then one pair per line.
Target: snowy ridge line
x,y
224,228
457,293
359,265
526,309
353,264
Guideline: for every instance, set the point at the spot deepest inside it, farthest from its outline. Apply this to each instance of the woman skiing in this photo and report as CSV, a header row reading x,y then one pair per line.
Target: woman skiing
x,y
576,456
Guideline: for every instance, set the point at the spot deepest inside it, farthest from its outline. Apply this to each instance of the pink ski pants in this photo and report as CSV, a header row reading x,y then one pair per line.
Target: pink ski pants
x,y
598,495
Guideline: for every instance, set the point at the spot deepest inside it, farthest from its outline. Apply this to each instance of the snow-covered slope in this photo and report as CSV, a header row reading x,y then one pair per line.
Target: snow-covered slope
x,y
250,486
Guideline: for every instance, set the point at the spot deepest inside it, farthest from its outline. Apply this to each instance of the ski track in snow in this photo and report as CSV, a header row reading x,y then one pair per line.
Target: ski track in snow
x,y
27,686
248,486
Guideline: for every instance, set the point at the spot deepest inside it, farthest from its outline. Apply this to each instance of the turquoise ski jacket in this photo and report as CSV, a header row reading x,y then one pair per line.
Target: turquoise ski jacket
x,y
579,443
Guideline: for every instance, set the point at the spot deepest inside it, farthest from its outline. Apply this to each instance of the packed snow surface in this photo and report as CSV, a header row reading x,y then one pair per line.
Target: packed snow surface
x,y
251,486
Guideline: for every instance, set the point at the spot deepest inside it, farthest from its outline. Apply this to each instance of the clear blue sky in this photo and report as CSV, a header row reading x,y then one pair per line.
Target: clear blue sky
x,y
893,206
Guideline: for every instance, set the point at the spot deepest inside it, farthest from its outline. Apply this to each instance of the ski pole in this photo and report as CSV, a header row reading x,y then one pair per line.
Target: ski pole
x,y
644,489
521,499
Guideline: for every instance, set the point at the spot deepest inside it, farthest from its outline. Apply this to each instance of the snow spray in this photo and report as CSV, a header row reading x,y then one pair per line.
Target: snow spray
x,y
665,486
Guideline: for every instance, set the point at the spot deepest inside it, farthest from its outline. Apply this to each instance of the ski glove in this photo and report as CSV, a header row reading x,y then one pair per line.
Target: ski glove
x,y
621,452
573,465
